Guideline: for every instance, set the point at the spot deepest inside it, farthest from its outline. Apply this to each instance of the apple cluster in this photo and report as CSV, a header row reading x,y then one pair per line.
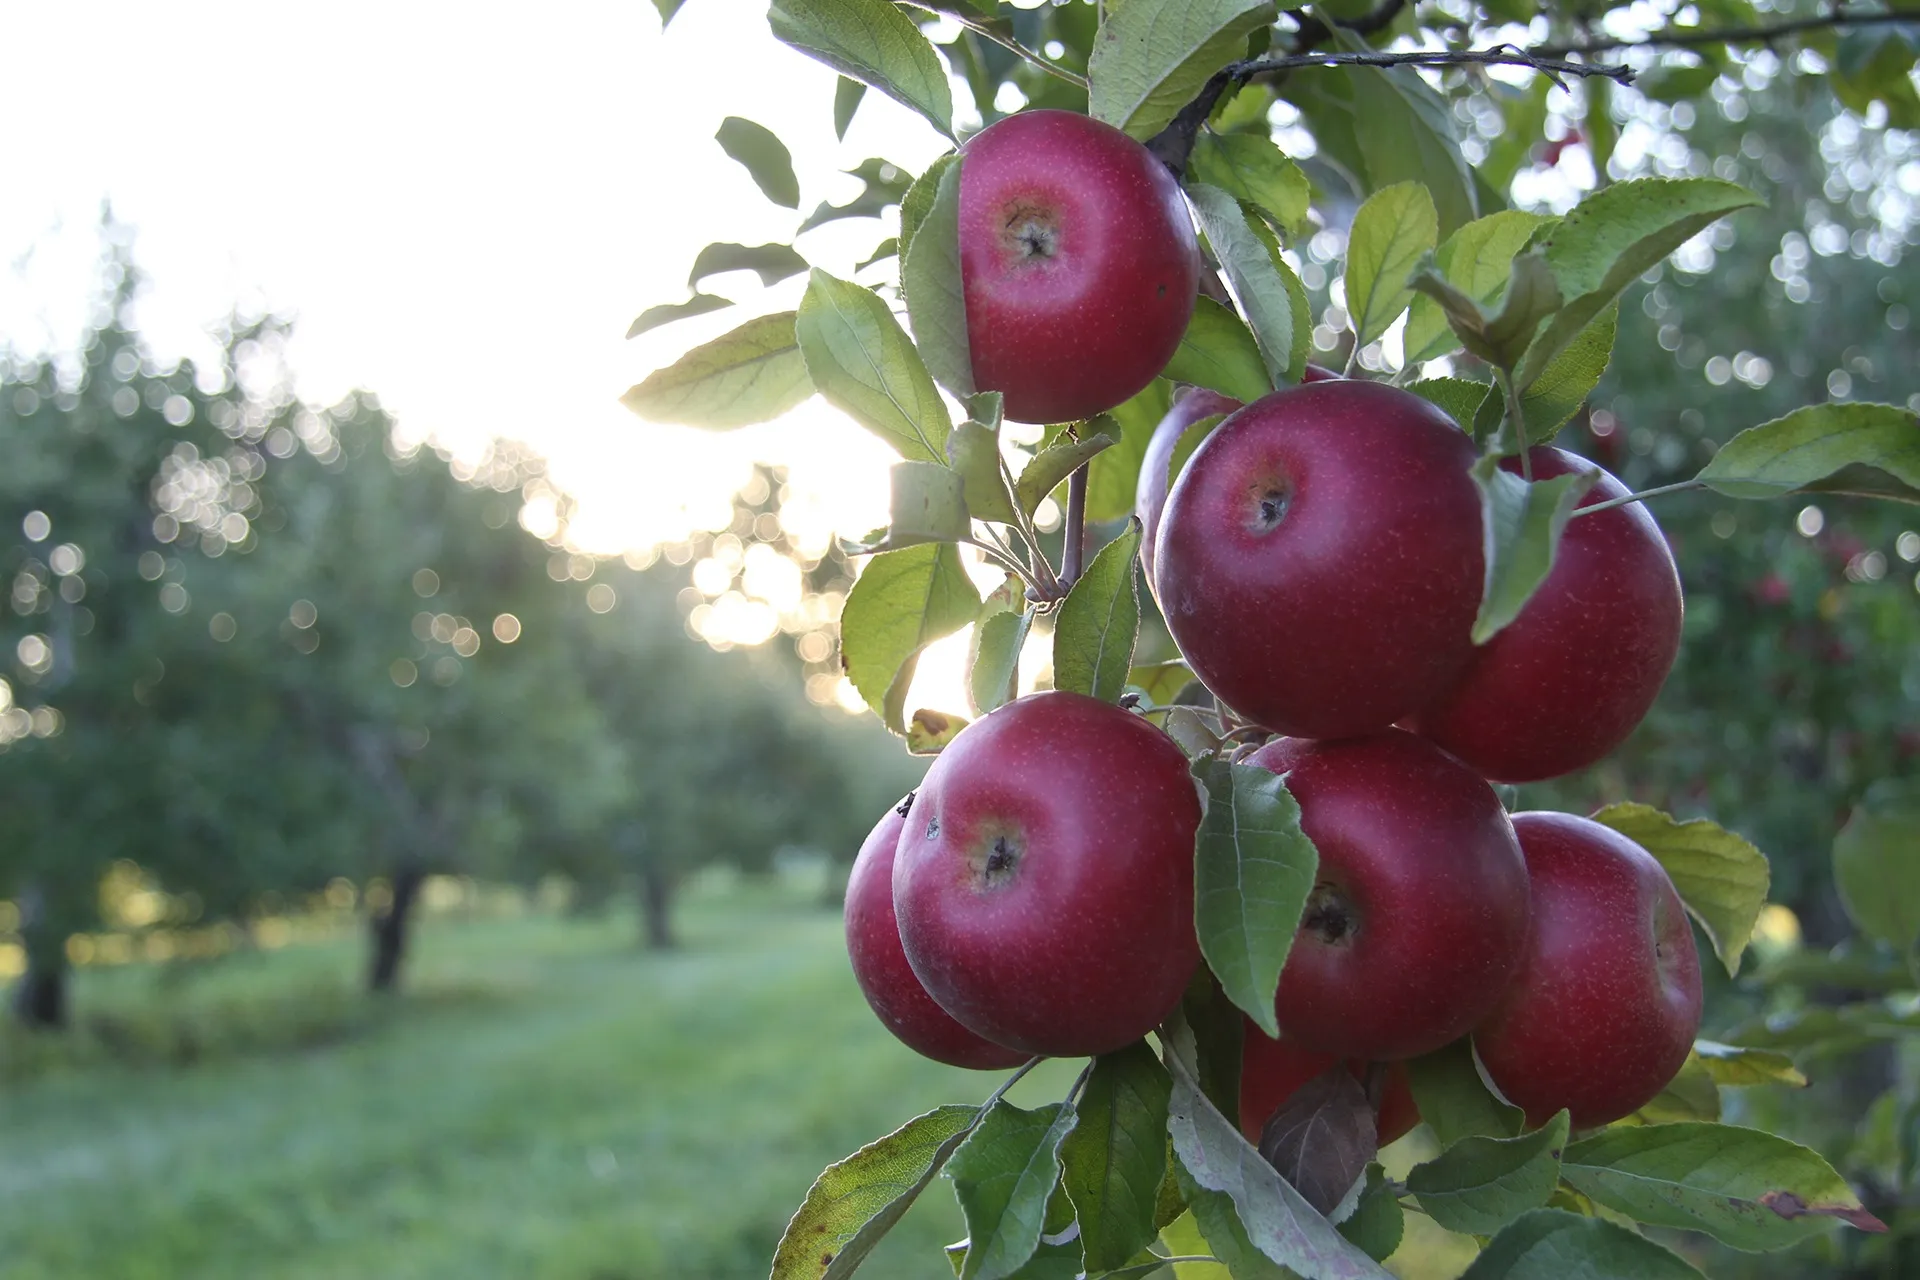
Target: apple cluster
x,y
1319,561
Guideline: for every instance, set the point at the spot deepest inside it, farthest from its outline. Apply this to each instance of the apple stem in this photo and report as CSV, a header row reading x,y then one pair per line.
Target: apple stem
x,y
1679,487
1010,1081
1073,554
1517,417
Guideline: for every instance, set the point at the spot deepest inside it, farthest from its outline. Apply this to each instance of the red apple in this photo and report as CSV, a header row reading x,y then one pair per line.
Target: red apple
x,y
1078,261
1319,559
1418,918
1568,679
1044,882
1195,404
1271,1071
1607,1002
880,965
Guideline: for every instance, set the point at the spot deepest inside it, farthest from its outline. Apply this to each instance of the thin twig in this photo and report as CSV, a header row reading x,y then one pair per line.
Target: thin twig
x,y
1505,55
1519,421
1013,46
1011,1081
1687,37
1621,501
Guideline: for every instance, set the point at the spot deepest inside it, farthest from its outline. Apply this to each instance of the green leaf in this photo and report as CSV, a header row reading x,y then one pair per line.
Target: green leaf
x,y
918,201
888,248
1690,1095
1722,879
873,42
1454,1099
930,278
902,602
1870,450
753,374
1610,238
846,101
1552,1244
1522,521
667,9
765,158
1253,868
698,305
1255,1210
1378,1223
1503,338
1212,1033
1161,682
1478,1185
1113,476
1099,622
1321,1140
973,450
929,505
771,262
993,672
1477,260
1251,274
1003,1175
1061,457
1391,231
884,183
929,731
862,362
1116,1156
1151,57
1225,1237
1218,352
1744,1187
1564,385
1460,398
1737,1065
1251,169
1874,866
852,1204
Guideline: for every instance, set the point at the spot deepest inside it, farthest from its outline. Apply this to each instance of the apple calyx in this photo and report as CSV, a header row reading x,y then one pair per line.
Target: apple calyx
x,y
1330,916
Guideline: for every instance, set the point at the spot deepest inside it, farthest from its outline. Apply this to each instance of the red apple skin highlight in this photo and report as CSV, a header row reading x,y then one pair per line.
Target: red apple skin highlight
x,y
1078,261
1607,1002
1271,1071
1044,881
1568,680
880,965
1319,558
1418,918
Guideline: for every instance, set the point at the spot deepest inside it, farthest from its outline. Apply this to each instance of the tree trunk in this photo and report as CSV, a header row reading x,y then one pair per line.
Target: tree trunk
x,y
40,997
656,907
390,929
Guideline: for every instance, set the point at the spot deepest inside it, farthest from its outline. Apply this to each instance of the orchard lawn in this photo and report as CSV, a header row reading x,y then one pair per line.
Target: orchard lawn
x,y
546,1103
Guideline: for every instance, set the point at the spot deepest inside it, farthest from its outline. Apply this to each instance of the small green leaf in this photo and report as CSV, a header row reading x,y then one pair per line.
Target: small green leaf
x,y
1253,869
1454,1099
1502,338
852,1204
1213,1034
846,101
1610,238
771,262
1151,57
1099,622
1737,1065
1116,1156
698,305
1254,1210
931,730
1692,1094
929,505
1874,866
1061,457
1522,521
1870,450
1477,260
883,185
930,278
667,9
1722,879
918,201
1251,274
1003,1175
901,602
862,362
1460,398
993,672
1478,1185
873,42
1251,169
765,158
1391,231
974,452
1161,682
888,248
1218,352
1378,1223
1744,1187
1564,385
1552,1244
753,374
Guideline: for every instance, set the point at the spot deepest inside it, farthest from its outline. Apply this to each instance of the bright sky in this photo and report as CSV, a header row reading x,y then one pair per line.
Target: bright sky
x,y
464,205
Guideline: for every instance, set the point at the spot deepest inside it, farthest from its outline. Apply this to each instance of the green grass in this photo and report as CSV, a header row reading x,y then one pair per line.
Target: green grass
x,y
547,1103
